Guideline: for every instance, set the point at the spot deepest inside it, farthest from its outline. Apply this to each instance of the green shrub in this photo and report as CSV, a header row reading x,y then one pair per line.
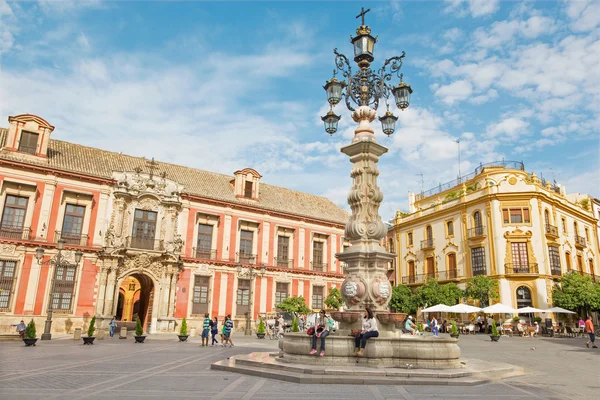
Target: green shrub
x,y
420,327
182,329
92,327
538,320
30,330
261,327
454,329
494,329
139,331
516,319
295,325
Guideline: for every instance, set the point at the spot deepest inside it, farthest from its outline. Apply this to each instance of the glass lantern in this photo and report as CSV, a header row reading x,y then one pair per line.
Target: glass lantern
x,y
334,91
402,95
388,123
364,44
331,122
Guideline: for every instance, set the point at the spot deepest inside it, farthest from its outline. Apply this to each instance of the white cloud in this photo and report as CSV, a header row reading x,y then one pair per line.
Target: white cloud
x,y
508,129
584,14
477,8
484,98
502,32
456,91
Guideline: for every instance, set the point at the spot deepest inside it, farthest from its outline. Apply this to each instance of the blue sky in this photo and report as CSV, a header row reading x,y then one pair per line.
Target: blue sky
x,y
227,85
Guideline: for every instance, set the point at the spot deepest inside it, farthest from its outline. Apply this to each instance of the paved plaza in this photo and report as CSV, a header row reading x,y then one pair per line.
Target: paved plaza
x,y
165,368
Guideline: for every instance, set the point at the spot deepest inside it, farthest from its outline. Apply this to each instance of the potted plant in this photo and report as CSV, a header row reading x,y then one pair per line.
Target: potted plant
x,y
29,337
454,330
139,332
183,331
538,320
495,336
260,330
90,333
295,327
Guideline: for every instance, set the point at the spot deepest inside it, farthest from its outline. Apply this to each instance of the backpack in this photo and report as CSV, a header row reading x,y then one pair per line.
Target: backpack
x,y
331,324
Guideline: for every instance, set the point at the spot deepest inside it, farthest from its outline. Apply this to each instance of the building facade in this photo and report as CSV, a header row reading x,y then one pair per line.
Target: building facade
x,y
159,241
498,221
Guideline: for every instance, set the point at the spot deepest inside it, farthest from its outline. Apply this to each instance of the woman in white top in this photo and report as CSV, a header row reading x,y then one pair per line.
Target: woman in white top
x,y
369,330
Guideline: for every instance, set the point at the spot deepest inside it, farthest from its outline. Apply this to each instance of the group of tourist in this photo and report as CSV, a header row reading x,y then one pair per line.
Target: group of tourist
x,y
212,326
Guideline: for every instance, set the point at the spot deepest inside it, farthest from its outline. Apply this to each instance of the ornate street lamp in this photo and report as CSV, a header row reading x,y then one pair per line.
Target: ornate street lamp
x,y
58,262
366,87
249,274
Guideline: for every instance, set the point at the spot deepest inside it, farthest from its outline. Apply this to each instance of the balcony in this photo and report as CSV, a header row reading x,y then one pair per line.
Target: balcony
x,y
71,239
284,262
204,254
417,279
318,267
551,232
580,242
447,275
427,244
144,243
476,233
15,233
246,259
523,268
555,271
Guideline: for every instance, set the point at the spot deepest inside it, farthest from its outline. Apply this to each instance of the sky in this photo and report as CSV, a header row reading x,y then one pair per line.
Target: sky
x,y
221,85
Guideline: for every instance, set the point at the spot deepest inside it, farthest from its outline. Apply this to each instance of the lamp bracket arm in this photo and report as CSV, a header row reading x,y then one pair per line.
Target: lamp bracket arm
x,y
342,64
395,64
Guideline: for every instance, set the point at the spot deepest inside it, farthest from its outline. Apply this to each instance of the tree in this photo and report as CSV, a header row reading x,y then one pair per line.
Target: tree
x,y
183,327
401,300
482,288
261,327
432,293
295,327
30,330
138,327
294,304
577,293
451,294
92,327
334,299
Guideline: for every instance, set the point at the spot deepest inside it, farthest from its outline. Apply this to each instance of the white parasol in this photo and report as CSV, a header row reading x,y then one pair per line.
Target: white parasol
x,y
463,309
437,308
558,310
529,310
499,309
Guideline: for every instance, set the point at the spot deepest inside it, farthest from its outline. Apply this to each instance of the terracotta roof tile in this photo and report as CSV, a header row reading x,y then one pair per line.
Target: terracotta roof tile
x,y
66,156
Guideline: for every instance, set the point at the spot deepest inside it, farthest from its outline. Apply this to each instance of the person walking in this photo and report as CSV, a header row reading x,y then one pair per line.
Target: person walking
x,y
321,331
205,330
369,330
112,326
434,327
589,328
228,329
214,330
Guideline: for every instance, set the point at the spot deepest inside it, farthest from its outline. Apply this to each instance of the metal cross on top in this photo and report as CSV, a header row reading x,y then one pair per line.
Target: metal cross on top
x,y
362,14
152,165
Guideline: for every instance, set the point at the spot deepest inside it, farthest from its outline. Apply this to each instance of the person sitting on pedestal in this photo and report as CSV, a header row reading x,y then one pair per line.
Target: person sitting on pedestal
x,y
321,331
369,330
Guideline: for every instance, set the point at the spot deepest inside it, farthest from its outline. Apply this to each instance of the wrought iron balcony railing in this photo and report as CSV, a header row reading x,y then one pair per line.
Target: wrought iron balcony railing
x,y
478,231
284,262
427,244
8,232
204,254
580,241
72,239
318,266
551,230
447,275
417,279
144,243
522,268
243,258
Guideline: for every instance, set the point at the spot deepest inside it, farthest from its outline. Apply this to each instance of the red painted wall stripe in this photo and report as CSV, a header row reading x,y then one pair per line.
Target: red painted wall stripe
x,y
181,303
93,218
52,228
37,209
216,295
257,287
85,300
190,232
22,291
295,287
41,289
307,298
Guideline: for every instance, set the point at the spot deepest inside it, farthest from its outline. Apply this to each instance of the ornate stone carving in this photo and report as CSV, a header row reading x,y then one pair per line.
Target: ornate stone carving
x,y
381,290
353,290
8,249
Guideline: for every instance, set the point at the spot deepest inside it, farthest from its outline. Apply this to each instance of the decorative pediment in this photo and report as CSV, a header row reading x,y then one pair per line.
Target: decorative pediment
x,y
137,184
450,245
410,254
24,118
517,234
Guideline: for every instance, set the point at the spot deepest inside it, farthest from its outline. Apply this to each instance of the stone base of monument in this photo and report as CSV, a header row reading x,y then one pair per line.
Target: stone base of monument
x,y
404,360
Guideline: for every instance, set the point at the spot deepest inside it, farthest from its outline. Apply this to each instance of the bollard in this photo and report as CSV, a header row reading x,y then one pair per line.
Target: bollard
x,y
193,332
123,333
77,334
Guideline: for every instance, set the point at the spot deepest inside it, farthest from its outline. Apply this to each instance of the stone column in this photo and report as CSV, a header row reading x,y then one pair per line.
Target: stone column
x,y
173,289
110,291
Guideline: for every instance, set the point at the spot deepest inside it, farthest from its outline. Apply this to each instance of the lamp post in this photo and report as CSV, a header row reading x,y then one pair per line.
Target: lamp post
x,y
58,262
249,274
366,283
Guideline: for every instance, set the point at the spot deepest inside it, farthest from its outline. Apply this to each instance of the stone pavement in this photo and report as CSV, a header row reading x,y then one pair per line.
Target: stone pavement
x,y
164,368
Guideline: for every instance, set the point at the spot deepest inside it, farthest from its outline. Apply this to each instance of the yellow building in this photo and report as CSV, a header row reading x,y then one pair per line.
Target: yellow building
x,y
498,221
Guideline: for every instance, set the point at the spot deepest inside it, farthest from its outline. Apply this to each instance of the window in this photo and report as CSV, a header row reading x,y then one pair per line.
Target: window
x,y
283,251
546,217
318,256
523,297
64,283
411,271
13,217
449,228
477,224
430,267
317,297
580,263
246,245
575,230
144,227
516,215
281,292
587,234
204,242
590,261
391,245
452,271
478,261
409,238
554,257
243,296
520,257
248,186
200,295
72,224
28,142
429,232
7,277
568,258
564,225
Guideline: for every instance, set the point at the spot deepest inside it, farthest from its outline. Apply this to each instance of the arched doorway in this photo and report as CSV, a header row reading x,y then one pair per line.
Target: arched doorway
x,y
137,291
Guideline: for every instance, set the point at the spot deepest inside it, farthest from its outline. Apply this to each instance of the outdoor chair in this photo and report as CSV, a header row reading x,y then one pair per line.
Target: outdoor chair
x,y
570,332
